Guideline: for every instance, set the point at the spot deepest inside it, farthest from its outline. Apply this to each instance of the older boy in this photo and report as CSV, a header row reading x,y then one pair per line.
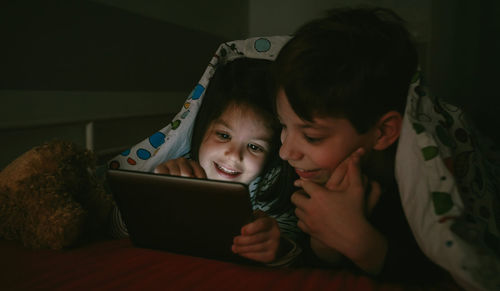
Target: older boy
x,y
342,83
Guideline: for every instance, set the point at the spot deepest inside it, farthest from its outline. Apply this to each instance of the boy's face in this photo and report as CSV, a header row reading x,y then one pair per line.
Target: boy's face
x,y
315,149
236,145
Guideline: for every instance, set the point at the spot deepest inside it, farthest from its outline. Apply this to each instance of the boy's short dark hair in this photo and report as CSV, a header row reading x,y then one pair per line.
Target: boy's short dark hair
x,y
354,63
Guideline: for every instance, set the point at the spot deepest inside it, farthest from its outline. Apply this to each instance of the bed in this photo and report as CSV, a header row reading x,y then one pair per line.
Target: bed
x,y
118,265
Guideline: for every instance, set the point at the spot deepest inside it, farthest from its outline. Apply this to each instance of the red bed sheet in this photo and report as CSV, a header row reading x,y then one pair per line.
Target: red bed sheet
x,y
117,265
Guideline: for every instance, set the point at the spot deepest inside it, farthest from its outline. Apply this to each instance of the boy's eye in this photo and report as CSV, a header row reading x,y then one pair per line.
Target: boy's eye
x,y
312,139
283,129
255,148
223,135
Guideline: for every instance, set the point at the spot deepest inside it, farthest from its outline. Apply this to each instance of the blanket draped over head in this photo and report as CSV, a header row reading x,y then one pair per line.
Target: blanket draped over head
x,y
449,182
174,140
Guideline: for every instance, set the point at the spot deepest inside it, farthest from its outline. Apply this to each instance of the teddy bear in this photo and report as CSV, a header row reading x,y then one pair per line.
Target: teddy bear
x,y
51,197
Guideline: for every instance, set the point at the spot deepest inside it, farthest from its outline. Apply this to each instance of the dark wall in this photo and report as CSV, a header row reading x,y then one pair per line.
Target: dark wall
x,y
466,60
86,46
488,114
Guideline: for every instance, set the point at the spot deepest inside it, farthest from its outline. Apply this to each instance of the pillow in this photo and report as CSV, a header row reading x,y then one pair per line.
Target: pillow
x,y
449,182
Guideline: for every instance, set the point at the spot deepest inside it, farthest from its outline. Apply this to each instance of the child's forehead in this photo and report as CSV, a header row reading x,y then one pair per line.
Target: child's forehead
x,y
246,110
237,106
248,115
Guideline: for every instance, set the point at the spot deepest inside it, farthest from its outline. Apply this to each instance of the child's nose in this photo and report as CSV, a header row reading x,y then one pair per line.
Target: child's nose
x,y
287,150
234,152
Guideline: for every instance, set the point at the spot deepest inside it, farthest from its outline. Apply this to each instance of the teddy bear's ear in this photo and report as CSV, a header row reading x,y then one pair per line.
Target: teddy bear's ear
x,y
28,164
48,194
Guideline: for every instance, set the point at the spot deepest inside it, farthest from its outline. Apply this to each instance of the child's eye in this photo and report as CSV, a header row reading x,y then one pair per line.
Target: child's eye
x,y
222,135
312,139
255,148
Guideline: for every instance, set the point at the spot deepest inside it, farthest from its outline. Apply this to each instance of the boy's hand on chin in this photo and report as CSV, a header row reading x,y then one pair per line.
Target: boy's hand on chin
x,y
259,240
334,213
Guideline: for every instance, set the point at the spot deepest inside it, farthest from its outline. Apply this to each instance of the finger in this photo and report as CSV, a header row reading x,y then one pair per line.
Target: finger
x,y
311,189
299,198
354,169
299,183
258,238
198,171
161,169
300,213
303,226
185,168
338,175
173,168
338,179
262,224
373,196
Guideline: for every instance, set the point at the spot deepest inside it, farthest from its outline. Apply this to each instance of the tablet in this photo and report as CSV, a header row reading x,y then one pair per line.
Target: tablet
x,y
191,216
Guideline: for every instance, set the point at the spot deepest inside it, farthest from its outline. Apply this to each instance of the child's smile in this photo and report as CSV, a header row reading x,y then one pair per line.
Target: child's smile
x,y
225,171
236,145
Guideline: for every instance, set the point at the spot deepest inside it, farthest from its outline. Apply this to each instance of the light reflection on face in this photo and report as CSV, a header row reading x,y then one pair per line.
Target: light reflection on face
x,y
236,145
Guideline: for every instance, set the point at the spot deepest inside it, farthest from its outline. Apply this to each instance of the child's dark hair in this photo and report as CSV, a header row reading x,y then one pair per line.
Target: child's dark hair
x,y
243,81
354,63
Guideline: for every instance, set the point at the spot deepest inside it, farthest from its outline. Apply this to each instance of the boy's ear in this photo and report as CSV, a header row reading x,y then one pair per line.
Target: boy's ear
x,y
388,129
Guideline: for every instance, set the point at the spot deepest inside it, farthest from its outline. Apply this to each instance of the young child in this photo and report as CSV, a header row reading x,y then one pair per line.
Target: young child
x,y
342,84
235,118
235,138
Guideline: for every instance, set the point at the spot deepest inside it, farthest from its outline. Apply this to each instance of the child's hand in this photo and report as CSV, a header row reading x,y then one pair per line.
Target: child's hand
x,y
181,167
259,240
336,214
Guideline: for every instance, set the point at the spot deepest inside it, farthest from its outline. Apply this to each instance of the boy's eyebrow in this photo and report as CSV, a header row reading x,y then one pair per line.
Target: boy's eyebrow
x,y
308,124
311,126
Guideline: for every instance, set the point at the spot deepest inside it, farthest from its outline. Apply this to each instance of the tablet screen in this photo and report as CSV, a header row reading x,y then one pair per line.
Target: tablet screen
x,y
191,216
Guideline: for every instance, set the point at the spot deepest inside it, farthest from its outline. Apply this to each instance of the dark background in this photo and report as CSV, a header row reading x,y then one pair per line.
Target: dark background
x,y
83,45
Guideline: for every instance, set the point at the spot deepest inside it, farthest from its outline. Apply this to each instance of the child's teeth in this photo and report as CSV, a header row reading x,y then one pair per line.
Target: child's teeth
x,y
227,170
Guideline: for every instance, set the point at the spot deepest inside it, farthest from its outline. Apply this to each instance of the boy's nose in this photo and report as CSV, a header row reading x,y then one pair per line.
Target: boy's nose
x,y
287,150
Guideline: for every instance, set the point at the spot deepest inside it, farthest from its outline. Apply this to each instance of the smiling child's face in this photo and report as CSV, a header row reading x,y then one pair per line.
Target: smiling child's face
x,y
314,149
236,145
